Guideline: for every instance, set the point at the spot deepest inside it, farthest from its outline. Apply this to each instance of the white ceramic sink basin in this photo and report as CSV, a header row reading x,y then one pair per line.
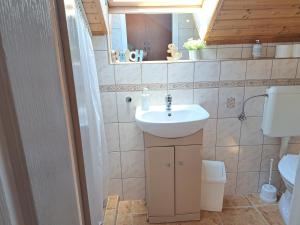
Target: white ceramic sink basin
x,y
183,120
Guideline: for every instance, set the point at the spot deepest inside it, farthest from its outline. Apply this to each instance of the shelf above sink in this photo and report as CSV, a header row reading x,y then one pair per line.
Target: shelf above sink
x,y
181,121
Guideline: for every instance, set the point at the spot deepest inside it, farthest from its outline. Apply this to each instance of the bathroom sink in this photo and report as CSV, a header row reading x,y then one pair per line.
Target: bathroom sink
x,y
182,120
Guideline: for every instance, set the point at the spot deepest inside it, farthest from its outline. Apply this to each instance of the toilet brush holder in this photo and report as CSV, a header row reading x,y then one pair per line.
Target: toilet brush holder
x,y
268,192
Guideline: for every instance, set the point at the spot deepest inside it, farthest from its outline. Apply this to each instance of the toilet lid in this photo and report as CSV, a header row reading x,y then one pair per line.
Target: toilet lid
x,y
288,166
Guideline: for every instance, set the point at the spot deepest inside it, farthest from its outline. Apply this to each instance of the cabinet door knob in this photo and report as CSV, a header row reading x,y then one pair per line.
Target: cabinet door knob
x,y
180,163
168,164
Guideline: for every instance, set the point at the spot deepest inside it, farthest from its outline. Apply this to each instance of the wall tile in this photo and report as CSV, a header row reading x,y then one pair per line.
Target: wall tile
x,y
270,151
180,72
229,53
184,96
115,187
230,101
284,68
157,97
259,69
134,188
230,184
131,137
208,99
295,140
207,71
228,132
208,53
247,53
230,157
247,182
208,152
233,70
112,136
154,73
105,71
255,106
99,42
271,51
115,165
298,69
250,158
126,110
294,148
109,107
133,164
251,133
272,140
210,133
128,74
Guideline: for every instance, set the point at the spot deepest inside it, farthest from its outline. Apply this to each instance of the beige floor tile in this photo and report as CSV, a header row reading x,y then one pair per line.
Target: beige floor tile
x,y
110,217
271,214
138,207
207,218
139,219
112,202
124,219
235,201
124,207
255,199
241,216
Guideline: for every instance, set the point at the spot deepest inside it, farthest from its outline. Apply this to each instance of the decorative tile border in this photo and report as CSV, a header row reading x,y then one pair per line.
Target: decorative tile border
x,y
199,85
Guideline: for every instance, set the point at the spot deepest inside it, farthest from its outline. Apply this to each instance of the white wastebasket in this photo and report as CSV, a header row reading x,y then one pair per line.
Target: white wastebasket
x,y
213,183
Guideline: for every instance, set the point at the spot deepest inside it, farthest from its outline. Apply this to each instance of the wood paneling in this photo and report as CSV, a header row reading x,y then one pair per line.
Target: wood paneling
x,y
95,16
244,21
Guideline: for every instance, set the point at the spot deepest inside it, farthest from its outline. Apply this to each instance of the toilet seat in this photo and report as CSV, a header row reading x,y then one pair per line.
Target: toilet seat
x,y
288,166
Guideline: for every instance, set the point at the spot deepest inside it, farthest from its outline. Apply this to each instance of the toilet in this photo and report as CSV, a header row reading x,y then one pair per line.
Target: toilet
x,y
287,168
281,118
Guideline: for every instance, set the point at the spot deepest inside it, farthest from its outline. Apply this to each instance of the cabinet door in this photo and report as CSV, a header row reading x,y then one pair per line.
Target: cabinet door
x,y
160,181
187,179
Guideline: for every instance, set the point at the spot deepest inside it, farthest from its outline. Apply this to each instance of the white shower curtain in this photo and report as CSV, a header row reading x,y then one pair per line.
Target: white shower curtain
x,y
89,107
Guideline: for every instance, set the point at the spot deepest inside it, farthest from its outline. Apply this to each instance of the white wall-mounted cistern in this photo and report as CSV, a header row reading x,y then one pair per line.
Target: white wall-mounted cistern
x,y
281,118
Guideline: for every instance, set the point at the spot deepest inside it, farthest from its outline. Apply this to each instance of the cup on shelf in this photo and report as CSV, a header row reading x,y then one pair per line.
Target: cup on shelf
x,y
296,50
284,51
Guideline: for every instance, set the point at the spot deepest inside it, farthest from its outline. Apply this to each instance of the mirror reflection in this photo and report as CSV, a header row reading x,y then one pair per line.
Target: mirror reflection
x,y
150,37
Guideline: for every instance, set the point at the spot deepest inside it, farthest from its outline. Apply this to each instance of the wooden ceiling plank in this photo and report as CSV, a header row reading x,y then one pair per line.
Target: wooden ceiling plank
x,y
257,14
251,39
248,24
90,7
260,4
94,18
256,31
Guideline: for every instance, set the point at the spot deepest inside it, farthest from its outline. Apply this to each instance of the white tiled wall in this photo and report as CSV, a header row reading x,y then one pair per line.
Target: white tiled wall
x,y
241,145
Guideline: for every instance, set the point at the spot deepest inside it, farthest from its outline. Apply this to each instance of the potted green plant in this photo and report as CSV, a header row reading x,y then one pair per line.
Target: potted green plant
x,y
193,46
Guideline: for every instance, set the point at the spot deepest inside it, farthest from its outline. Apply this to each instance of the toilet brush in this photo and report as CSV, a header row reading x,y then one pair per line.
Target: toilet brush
x,y
268,191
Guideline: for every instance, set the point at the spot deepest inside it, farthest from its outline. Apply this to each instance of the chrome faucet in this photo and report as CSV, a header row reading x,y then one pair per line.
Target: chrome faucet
x,y
168,102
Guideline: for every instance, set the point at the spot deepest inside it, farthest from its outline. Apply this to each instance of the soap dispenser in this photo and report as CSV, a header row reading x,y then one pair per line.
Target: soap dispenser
x,y
145,99
257,50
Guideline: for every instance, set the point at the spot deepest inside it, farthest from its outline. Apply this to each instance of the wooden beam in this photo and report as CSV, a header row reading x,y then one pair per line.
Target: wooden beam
x,y
95,14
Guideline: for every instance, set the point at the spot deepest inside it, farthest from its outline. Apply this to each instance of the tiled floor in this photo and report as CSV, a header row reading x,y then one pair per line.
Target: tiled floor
x,y
237,210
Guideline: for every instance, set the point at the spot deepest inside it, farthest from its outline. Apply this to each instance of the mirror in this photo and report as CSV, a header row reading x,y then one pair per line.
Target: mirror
x,y
145,37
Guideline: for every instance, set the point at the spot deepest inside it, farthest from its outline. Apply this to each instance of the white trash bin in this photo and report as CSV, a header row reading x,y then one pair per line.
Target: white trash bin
x,y
213,183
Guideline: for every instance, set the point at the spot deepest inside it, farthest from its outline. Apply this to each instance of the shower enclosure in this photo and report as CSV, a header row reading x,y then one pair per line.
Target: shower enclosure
x,y
89,108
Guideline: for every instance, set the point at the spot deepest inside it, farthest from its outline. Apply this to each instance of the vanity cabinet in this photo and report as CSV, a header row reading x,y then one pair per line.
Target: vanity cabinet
x,y
173,178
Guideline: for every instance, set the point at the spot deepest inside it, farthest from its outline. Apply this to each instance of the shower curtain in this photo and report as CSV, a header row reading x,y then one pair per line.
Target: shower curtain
x,y
89,108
